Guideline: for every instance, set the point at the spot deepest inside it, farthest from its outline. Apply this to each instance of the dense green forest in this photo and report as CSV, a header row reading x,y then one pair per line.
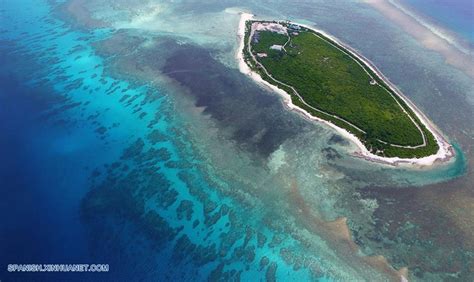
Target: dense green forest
x,y
338,83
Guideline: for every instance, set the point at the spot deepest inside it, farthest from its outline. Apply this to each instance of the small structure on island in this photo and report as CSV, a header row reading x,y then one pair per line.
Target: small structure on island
x,y
294,27
276,47
262,55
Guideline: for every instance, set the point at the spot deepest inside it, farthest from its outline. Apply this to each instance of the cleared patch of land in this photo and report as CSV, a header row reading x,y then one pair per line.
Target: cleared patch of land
x,y
331,83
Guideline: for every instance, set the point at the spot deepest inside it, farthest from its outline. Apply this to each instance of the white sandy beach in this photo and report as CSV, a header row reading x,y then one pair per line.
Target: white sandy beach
x,y
444,154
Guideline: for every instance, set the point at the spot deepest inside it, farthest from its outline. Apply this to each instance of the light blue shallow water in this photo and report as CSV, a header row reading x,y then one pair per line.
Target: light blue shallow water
x,y
457,16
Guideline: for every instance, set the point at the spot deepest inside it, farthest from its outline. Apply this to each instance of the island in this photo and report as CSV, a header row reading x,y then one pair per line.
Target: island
x,y
329,81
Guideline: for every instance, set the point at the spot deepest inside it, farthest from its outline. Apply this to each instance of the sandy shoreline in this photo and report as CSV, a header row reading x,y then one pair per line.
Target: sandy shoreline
x,y
444,154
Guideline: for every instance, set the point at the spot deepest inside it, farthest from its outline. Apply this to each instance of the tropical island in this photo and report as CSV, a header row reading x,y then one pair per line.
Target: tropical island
x,y
328,81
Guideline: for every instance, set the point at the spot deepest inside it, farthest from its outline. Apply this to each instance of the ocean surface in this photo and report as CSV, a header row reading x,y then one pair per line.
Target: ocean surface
x,y
130,138
456,16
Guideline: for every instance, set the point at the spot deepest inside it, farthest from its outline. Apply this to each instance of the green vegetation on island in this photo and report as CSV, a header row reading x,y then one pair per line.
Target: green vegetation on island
x,y
331,83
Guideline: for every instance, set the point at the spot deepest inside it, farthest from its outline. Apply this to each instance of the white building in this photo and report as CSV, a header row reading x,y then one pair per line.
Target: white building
x,y
276,47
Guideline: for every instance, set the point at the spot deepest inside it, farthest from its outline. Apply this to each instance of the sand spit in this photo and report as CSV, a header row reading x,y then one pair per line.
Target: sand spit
x,y
429,36
338,236
444,154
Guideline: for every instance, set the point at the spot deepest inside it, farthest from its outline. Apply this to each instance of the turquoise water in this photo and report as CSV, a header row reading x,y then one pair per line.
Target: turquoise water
x,y
140,145
75,133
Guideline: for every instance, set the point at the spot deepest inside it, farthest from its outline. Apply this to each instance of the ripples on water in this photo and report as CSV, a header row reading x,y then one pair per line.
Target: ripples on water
x,y
164,161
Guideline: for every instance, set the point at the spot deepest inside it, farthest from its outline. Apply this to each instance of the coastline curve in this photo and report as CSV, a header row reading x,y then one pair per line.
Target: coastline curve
x,y
445,151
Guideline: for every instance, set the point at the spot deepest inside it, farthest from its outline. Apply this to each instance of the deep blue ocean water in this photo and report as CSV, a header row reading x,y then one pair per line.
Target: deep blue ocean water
x,y
457,16
70,135
50,146
47,150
